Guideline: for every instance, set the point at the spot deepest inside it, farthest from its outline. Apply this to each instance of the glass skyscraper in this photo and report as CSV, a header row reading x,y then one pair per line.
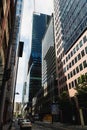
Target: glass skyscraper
x,y
72,15
39,27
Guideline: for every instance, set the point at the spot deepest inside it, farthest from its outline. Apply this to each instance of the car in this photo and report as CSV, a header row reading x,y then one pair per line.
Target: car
x,y
26,124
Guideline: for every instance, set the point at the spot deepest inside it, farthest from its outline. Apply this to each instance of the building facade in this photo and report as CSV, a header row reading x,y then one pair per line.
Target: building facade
x,y
70,27
49,83
70,23
39,26
9,42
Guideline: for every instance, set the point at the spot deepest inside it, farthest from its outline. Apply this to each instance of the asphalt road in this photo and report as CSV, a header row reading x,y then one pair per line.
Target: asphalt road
x,y
43,126
38,127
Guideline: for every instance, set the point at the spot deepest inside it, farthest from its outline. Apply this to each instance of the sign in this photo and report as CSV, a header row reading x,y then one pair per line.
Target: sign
x,y
55,109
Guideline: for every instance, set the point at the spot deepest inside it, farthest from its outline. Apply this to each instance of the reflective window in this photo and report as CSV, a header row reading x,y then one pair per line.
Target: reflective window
x,y
85,64
80,43
86,50
82,53
80,67
84,39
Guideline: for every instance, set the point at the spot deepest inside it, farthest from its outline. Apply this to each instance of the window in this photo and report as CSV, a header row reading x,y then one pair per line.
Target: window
x,y
67,67
77,69
64,62
82,53
72,62
84,64
72,84
77,47
79,56
68,56
70,65
80,43
80,67
66,59
74,50
71,73
86,50
75,59
75,82
68,76
74,72
69,85
71,53
84,39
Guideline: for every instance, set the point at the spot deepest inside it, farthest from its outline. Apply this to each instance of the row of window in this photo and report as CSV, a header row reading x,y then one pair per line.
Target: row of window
x,y
76,59
73,62
77,47
77,69
74,72
73,83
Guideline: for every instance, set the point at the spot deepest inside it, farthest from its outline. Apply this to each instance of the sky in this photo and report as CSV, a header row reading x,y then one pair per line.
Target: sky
x,y
41,6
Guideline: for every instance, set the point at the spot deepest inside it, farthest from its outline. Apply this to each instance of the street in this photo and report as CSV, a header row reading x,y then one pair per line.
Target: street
x,y
49,126
40,127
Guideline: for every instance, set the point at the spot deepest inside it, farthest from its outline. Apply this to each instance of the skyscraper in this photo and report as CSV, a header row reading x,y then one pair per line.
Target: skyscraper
x,y
70,23
39,26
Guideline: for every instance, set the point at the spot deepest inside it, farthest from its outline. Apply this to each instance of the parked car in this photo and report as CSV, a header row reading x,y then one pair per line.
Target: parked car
x,y
26,124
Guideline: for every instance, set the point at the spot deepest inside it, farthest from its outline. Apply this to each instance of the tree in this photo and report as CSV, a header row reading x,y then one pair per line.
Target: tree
x,y
65,106
82,90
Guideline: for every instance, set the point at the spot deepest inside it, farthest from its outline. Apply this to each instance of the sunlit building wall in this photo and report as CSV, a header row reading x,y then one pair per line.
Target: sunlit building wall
x,y
70,24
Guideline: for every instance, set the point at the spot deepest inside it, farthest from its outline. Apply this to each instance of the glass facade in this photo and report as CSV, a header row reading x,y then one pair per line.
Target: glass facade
x,y
73,18
48,55
39,27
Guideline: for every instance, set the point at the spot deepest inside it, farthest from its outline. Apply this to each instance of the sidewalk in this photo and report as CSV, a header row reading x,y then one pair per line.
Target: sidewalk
x,y
6,127
57,125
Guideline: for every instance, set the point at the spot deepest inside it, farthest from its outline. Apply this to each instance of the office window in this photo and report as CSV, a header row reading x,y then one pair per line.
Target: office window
x,y
70,65
86,50
74,72
80,43
67,67
75,82
77,69
82,53
84,39
77,47
69,85
72,62
68,76
84,64
79,56
74,50
71,74
71,53
75,59
80,67
72,84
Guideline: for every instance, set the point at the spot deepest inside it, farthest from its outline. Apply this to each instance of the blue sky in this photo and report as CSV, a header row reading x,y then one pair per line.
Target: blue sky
x,y
41,6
